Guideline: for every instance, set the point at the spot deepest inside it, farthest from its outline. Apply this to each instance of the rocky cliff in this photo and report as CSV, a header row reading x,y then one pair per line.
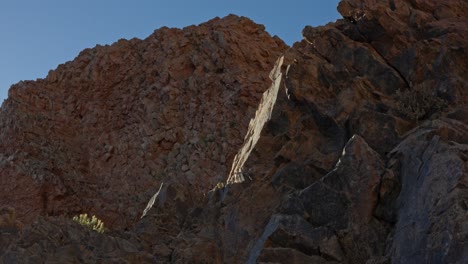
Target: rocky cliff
x,y
100,133
349,147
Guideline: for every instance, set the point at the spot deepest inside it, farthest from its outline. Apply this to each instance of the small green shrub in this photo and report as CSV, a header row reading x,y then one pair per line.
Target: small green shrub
x,y
220,185
92,223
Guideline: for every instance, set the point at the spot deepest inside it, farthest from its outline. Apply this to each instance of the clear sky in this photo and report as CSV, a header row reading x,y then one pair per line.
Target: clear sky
x,y
38,35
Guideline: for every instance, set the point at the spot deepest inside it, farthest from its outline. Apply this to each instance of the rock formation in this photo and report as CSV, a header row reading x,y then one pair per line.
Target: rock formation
x,y
101,133
356,153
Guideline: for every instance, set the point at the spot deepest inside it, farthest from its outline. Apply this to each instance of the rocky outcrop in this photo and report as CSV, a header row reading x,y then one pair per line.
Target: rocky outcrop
x,y
357,153
431,215
363,155
100,133
61,241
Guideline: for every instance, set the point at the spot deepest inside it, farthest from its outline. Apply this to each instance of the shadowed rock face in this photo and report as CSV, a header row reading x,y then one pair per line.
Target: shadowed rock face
x,y
370,113
357,153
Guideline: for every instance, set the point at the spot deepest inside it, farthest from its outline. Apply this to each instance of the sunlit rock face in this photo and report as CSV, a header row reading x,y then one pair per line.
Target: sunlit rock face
x,y
100,133
349,147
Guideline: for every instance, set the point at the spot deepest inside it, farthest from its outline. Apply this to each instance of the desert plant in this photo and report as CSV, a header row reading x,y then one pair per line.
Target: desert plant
x,y
419,102
220,185
92,223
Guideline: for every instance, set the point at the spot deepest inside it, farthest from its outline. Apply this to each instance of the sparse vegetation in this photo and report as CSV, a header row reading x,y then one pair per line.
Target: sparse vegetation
x,y
419,103
92,223
219,185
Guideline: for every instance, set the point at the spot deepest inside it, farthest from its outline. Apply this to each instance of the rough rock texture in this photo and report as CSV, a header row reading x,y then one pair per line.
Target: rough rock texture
x,y
357,153
62,241
432,217
100,133
362,157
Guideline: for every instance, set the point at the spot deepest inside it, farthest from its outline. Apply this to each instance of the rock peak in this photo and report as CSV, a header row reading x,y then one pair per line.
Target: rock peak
x,y
349,147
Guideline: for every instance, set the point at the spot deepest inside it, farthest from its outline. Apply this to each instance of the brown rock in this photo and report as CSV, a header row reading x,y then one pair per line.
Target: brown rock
x,y
64,241
356,153
382,71
101,132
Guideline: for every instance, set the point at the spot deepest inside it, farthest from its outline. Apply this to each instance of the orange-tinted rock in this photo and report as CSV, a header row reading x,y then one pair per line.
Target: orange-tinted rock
x,y
100,133
356,153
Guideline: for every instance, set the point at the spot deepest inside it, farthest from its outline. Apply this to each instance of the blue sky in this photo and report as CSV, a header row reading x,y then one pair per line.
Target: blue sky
x,y
38,35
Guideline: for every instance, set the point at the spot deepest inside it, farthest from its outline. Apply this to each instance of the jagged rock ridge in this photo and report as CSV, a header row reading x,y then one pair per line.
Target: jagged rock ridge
x,y
101,133
357,153
364,157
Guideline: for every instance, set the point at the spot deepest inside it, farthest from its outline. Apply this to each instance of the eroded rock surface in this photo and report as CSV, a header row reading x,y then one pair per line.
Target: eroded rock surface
x,y
432,216
365,142
357,153
101,132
